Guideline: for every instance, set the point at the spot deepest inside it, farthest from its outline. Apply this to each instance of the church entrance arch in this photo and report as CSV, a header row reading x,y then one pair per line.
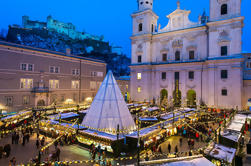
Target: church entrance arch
x,y
177,98
191,98
41,103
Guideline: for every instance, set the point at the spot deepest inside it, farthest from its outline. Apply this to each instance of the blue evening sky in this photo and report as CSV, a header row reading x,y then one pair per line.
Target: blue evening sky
x,y
110,18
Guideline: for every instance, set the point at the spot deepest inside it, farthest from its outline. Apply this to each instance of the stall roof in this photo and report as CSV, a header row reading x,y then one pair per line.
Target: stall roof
x,y
194,162
101,134
64,115
12,116
148,119
221,152
231,135
235,126
240,118
150,109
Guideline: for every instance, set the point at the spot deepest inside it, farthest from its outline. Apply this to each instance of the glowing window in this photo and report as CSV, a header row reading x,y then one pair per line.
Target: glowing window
x,y
54,84
139,76
139,89
26,83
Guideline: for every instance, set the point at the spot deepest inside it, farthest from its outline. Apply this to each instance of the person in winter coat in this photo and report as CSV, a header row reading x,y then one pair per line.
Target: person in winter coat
x,y
169,148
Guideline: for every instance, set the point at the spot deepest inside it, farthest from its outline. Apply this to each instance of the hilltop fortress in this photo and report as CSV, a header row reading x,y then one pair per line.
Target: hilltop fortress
x,y
54,25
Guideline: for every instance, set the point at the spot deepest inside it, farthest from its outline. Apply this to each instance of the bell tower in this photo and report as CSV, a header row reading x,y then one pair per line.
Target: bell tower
x,y
224,9
144,19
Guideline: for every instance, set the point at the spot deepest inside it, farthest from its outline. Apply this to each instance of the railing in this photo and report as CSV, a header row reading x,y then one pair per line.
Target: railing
x,y
40,90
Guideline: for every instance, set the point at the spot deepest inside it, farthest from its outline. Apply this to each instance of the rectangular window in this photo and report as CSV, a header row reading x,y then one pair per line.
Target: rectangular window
x,y
30,67
139,59
224,51
224,74
249,65
26,83
224,92
23,67
54,84
191,75
74,84
139,76
100,74
77,71
93,74
163,75
139,89
191,55
9,100
164,57
177,75
26,100
51,69
56,69
62,98
93,85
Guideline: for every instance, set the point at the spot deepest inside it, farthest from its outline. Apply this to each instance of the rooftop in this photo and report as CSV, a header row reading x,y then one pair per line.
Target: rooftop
x,y
48,51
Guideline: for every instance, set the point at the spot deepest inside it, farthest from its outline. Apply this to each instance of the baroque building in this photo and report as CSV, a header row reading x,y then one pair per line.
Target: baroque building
x,y
190,63
31,77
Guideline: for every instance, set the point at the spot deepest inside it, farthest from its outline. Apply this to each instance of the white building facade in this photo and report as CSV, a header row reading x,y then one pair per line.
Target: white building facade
x,y
189,63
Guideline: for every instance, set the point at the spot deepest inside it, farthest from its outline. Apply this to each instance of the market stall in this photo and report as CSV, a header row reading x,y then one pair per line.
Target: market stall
x,y
220,155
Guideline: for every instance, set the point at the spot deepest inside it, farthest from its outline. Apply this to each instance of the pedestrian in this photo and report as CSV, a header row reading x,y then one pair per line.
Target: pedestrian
x,y
180,142
17,138
42,141
159,149
1,152
56,144
13,137
28,137
37,143
13,161
23,140
169,148
176,149
147,157
7,150
58,154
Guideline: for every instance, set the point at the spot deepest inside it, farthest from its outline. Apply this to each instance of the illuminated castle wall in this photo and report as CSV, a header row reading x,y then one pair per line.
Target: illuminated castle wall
x,y
60,27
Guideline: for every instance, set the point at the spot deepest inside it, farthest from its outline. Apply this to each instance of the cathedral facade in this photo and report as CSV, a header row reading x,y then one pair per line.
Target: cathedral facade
x,y
190,63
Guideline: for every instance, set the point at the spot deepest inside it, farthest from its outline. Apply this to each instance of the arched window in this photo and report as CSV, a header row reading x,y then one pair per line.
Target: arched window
x,y
223,9
177,55
140,27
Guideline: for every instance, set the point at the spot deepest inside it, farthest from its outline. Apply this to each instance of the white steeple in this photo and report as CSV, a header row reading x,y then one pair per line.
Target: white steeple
x,y
108,110
145,4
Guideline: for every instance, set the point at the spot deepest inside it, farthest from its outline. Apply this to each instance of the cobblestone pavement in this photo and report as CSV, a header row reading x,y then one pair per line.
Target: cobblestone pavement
x,y
25,153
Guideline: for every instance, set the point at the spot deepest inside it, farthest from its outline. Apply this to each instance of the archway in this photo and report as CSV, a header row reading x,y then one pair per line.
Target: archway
x,y
41,103
163,94
191,98
177,98
164,97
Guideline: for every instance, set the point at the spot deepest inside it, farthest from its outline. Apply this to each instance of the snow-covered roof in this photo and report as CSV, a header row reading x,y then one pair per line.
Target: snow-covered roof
x,y
101,134
64,115
235,126
231,135
221,152
240,118
193,162
150,109
148,119
108,110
